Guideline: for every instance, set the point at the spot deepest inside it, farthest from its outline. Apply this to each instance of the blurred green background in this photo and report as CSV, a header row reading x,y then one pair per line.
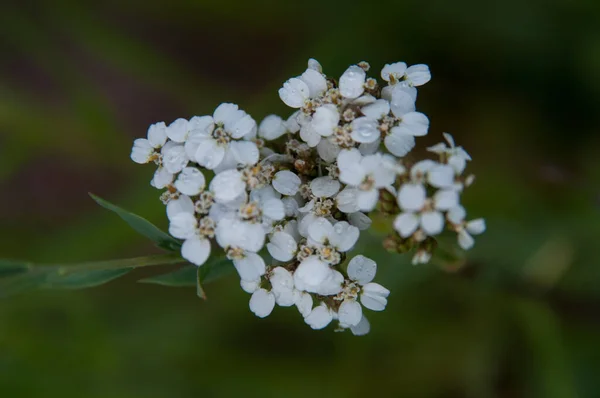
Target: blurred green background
x,y
518,84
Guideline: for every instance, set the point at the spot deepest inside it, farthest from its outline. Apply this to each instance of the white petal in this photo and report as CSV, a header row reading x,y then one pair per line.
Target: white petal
x,y
414,123
314,64
350,312
157,134
183,204
197,137
421,168
465,240
202,123
324,187
412,197
319,317
350,168
196,250
441,176
344,236
291,123
282,283
282,246
272,127
305,222
244,127
402,102
286,183
227,114
315,81
367,200
244,152
369,148
432,222
320,230
294,92
250,286
476,226
310,274
418,74
347,200
376,110
209,154
142,151
190,181
290,205
328,151
362,269
303,302
458,163
374,296
352,82
396,69
227,185
398,143
332,285
174,158
360,220
273,209
456,215
183,225
262,303
363,327
325,119
162,178
264,193
310,135
365,130
178,130
250,267
406,224
445,199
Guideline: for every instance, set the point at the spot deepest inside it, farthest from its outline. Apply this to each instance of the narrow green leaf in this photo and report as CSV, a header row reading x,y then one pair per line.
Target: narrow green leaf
x,y
199,290
13,267
141,225
184,276
216,269
84,279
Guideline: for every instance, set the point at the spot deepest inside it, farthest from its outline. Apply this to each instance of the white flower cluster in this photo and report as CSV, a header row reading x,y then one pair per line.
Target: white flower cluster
x,y
302,200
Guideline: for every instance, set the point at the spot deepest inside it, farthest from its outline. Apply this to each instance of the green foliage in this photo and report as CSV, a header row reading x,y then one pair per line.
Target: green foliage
x,y
142,226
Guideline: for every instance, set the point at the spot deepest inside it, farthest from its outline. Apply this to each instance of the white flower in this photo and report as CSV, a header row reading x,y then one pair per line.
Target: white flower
x,y
297,90
315,276
262,303
361,271
369,174
363,327
286,183
174,158
184,225
352,82
465,230
412,199
324,187
272,127
421,257
341,236
319,317
325,119
162,178
303,302
224,135
415,75
144,150
457,156
401,138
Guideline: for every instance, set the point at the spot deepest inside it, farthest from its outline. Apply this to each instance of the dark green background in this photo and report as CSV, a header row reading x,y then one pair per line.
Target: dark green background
x,y
516,82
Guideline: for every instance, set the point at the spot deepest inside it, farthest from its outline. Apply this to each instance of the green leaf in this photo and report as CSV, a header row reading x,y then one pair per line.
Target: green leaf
x,y
141,225
84,279
13,267
191,275
184,276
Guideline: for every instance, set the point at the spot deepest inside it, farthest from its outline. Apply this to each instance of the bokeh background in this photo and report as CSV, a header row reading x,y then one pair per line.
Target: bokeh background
x,y
517,82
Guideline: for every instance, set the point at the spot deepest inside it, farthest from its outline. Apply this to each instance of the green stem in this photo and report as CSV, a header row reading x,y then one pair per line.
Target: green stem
x,y
137,262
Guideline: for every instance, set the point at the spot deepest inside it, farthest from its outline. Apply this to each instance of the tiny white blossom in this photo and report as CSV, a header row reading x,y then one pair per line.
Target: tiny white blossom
x,y
144,149
352,82
297,90
262,303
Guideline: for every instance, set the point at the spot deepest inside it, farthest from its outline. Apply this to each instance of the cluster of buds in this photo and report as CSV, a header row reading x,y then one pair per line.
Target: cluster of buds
x,y
286,200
